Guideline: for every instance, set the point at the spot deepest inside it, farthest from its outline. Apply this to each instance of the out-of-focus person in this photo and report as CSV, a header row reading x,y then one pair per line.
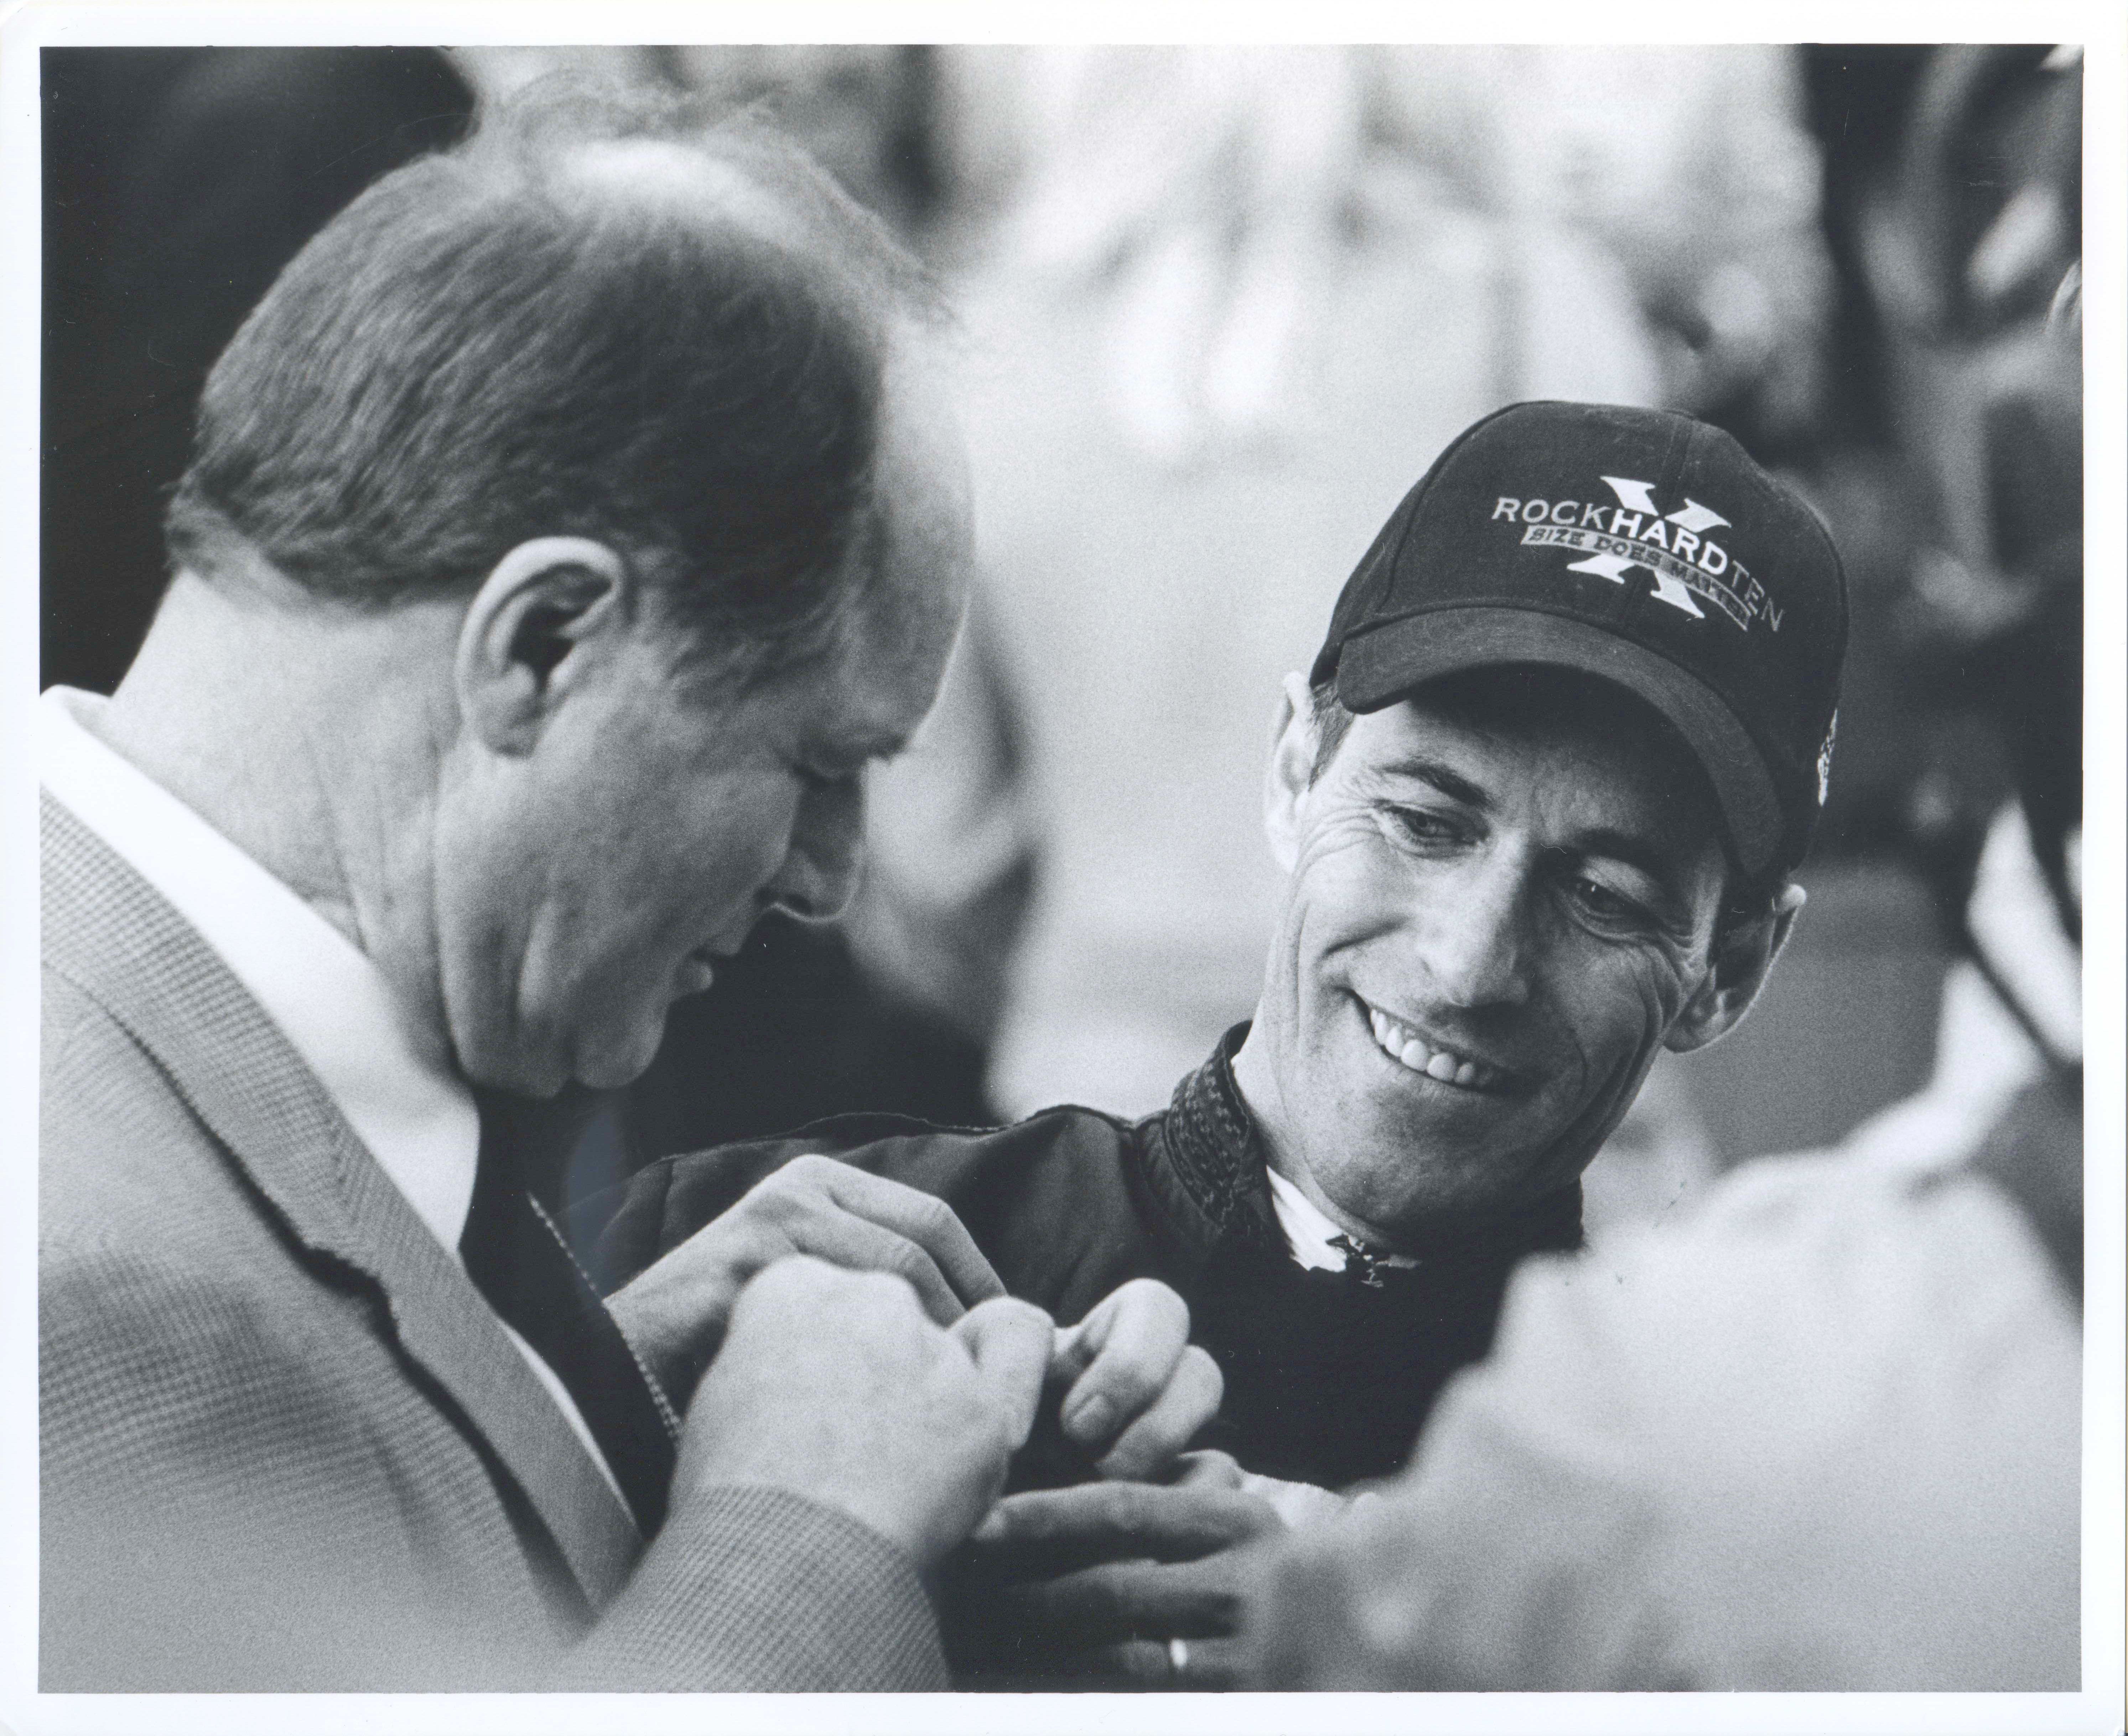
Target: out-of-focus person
x,y
1825,1437
180,181
1656,210
575,517
1973,252
1536,806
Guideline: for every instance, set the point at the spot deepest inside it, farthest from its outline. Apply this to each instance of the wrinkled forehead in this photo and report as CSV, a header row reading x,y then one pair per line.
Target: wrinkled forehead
x,y
1614,751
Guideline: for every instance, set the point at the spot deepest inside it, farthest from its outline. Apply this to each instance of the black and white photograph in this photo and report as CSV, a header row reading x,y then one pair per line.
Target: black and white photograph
x,y
1017,883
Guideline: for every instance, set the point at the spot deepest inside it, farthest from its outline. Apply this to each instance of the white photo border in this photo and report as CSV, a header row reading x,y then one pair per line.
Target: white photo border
x,y
26,26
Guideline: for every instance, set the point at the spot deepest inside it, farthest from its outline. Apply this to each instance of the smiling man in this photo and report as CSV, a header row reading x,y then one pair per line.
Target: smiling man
x,y
1505,896
1538,802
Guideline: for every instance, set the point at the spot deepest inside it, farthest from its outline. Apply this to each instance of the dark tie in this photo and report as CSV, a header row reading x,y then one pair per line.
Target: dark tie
x,y
516,1256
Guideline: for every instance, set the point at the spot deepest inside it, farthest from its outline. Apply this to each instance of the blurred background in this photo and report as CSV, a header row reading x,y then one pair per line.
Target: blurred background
x,y
1219,308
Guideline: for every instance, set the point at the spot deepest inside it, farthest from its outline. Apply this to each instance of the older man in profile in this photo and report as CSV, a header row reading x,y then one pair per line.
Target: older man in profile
x,y
567,528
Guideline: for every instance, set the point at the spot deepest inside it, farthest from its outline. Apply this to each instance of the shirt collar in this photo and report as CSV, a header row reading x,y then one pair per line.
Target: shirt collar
x,y
417,1119
1207,1163
1312,1237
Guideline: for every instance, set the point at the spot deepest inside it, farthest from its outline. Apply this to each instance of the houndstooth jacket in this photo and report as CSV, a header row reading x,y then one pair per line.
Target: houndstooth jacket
x,y
286,1445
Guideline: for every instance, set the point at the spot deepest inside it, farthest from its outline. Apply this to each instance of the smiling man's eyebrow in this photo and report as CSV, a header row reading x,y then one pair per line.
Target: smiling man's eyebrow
x,y
1632,848
1450,782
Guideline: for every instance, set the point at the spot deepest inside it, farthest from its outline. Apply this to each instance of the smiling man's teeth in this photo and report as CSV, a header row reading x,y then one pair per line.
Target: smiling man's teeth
x,y
1402,1044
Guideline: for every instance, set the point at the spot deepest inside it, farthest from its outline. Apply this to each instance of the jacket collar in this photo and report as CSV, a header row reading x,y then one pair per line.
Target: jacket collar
x,y
106,931
411,1110
1205,1163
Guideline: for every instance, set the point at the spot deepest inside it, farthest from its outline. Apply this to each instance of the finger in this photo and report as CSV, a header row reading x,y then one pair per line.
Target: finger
x,y
857,1246
1190,1401
1207,1665
1206,1468
1009,1341
1125,1600
925,1220
1057,1530
1141,1332
1077,1346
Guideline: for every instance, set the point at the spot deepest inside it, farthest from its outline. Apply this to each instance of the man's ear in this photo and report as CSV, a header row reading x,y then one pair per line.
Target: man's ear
x,y
1744,953
546,601
1292,764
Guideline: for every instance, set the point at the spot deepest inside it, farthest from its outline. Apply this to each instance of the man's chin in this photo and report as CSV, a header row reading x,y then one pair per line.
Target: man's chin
x,y
498,1063
596,1062
610,1067
1451,1164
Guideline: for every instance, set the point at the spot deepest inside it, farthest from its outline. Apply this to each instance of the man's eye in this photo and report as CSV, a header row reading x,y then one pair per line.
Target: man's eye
x,y
1416,826
1601,903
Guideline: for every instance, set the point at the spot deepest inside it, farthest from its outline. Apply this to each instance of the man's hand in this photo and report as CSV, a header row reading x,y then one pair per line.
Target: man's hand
x,y
1135,1388
675,1312
1094,1581
834,1386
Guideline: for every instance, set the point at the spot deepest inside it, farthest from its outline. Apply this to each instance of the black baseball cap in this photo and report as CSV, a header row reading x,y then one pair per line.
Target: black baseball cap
x,y
1635,545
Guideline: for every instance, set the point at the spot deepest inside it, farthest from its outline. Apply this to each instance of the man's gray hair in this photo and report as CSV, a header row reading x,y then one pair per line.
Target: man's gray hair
x,y
603,316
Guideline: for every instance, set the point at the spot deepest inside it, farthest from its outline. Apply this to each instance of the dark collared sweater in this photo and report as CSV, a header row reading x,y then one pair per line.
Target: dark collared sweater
x,y
1329,1374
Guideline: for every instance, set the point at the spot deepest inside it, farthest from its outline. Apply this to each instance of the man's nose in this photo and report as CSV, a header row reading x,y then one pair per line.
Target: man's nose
x,y
819,874
1474,937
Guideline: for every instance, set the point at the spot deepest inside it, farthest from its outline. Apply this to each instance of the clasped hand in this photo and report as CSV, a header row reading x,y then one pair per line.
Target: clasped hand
x,y
861,1352
1092,1585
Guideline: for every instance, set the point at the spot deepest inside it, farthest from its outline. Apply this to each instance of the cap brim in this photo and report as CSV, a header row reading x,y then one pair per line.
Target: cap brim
x,y
1386,663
